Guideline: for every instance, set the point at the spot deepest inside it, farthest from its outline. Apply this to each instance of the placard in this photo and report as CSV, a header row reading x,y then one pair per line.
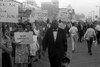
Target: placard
x,y
40,15
23,37
63,14
8,12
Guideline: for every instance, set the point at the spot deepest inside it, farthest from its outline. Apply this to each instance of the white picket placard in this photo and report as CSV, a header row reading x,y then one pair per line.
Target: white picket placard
x,y
63,14
23,37
39,15
8,12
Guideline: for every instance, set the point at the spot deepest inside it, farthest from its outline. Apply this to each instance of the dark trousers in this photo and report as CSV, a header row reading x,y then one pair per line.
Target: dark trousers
x,y
80,36
29,65
98,37
89,44
55,59
6,61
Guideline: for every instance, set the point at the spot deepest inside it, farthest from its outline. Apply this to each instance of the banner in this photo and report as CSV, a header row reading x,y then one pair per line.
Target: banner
x,y
8,12
40,15
23,37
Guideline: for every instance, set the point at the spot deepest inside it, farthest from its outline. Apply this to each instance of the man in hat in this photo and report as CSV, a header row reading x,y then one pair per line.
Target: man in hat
x,y
56,42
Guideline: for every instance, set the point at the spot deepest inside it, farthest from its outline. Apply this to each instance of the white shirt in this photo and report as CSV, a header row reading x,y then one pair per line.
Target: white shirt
x,y
55,34
89,33
73,30
36,32
97,27
34,46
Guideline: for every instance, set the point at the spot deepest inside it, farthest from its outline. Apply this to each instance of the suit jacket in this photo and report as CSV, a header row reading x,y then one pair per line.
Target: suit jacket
x,y
60,45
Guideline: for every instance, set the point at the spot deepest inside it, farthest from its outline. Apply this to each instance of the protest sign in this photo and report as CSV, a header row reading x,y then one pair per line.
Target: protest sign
x,y
23,37
8,12
40,15
63,14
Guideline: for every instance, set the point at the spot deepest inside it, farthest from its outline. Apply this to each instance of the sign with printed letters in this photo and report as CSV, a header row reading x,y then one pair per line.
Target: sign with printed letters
x,y
23,37
8,12
63,14
40,15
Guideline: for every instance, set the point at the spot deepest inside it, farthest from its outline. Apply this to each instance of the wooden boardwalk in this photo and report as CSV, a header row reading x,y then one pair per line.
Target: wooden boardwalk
x,y
80,58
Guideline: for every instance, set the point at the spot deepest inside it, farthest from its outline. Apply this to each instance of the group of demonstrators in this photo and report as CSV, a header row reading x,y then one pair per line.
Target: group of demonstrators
x,y
16,54
48,35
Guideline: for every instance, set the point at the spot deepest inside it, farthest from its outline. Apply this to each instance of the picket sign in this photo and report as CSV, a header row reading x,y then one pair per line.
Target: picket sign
x,y
8,12
23,37
40,15
63,14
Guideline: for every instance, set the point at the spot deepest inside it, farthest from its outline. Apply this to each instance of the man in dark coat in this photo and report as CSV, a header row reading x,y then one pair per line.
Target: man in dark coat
x,y
56,42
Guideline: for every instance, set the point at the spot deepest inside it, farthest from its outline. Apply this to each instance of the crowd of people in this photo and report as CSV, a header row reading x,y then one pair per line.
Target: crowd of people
x,y
49,35
15,53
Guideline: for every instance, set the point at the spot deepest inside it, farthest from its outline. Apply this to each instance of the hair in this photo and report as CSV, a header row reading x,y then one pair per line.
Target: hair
x,y
60,21
73,24
91,26
54,22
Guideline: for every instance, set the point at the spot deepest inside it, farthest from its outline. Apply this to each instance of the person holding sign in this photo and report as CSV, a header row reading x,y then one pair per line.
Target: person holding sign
x,y
7,50
21,52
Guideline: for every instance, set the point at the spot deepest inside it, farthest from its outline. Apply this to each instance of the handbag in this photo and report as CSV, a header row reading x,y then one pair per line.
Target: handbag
x,y
95,42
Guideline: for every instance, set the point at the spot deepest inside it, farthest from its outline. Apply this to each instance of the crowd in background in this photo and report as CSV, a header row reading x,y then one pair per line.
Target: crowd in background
x,y
19,54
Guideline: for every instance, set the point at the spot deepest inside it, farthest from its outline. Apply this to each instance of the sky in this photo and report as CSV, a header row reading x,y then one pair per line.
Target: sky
x,y
87,7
